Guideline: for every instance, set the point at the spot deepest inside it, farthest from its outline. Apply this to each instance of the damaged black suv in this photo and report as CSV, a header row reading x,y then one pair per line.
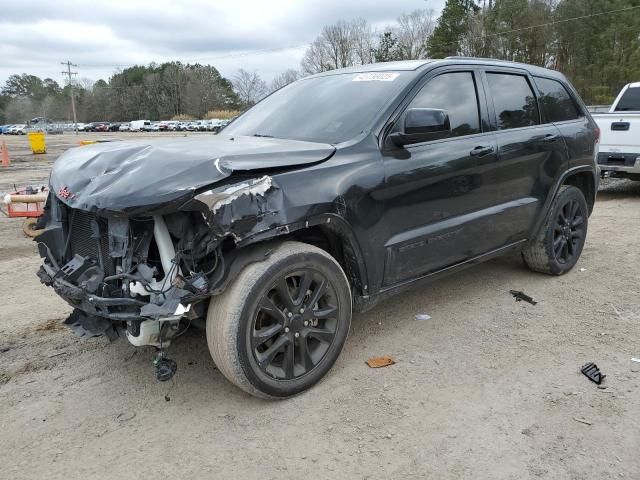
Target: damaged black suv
x,y
329,195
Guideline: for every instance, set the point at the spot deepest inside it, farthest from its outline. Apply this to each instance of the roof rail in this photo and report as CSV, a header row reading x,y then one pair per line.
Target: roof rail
x,y
476,58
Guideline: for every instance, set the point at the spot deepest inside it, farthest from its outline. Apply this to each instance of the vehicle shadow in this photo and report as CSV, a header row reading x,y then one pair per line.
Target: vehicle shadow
x,y
196,369
612,189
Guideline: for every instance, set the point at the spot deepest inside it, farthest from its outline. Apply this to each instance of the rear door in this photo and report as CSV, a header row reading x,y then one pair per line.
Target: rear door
x,y
531,154
561,108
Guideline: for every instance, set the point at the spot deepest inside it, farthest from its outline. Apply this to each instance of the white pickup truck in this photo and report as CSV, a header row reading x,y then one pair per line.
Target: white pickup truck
x,y
620,135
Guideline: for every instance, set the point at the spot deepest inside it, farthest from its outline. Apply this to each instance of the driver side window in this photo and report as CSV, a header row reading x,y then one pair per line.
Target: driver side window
x,y
454,92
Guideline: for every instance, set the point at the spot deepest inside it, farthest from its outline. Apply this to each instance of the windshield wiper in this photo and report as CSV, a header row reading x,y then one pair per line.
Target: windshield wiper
x,y
262,136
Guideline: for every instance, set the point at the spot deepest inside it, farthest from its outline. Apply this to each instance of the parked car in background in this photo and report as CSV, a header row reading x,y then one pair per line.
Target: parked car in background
x,y
620,135
220,125
54,129
82,127
100,127
139,125
124,127
191,126
4,130
114,126
20,129
435,166
211,124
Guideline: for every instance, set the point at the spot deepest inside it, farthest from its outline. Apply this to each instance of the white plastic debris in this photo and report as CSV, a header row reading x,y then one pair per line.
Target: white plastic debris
x,y
423,316
635,364
583,269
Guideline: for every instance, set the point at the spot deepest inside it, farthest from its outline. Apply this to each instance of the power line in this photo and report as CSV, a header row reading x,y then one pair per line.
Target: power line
x,y
73,102
564,20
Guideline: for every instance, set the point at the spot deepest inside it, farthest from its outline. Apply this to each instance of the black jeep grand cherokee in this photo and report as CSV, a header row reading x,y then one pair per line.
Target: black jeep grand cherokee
x,y
330,194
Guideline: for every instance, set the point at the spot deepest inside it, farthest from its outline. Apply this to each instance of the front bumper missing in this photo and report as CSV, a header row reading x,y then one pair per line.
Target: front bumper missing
x,y
112,308
94,315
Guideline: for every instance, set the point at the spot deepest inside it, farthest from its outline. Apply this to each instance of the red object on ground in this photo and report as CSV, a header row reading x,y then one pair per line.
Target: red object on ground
x,y
26,209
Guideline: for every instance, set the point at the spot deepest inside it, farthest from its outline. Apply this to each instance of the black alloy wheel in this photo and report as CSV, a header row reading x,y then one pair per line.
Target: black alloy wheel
x,y
568,232
294,324
558,245
281,324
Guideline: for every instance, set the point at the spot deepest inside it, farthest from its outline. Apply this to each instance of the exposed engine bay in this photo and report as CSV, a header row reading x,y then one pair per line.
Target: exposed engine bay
x,y
139,275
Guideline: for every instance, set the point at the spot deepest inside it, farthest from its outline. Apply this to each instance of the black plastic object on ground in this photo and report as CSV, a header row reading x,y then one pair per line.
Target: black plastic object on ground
x,y
519,296
85,325
165,369
593,373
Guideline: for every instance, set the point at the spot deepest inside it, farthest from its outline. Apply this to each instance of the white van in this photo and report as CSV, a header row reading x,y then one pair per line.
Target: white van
x,y
139,125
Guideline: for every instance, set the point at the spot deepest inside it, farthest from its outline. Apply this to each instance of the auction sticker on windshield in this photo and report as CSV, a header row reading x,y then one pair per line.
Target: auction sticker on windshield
x,y
376,77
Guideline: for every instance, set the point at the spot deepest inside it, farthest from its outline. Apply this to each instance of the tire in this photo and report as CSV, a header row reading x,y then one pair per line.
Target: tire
x,y
558,245
276,300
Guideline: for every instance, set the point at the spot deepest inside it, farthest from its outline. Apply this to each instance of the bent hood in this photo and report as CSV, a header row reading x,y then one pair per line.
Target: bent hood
x,y
120,176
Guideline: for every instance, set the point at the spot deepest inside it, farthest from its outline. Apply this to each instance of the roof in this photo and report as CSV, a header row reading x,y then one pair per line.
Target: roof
x,y
398,66
413,65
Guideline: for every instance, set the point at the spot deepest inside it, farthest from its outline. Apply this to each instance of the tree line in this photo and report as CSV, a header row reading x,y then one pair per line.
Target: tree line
x,y
596,43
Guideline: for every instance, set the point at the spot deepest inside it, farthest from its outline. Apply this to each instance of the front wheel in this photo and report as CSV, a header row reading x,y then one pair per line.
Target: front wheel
x,y
281,325
559,244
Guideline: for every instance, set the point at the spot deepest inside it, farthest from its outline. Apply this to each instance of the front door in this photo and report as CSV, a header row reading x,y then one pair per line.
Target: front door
x,y
438,201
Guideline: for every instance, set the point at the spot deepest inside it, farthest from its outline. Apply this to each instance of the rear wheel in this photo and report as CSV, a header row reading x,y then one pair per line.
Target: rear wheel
x,y
559,244
279,328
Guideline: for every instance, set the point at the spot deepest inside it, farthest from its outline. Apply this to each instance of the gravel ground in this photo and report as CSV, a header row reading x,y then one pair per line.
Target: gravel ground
x,y
487,388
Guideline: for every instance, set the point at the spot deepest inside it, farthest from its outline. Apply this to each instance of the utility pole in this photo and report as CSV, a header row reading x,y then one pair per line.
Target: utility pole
x,y
73,102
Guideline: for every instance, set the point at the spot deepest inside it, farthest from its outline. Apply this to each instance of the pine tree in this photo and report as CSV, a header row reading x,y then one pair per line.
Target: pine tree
x,y
450,29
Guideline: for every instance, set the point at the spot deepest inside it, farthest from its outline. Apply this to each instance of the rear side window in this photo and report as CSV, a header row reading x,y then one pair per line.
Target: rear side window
x,y
557,104
454,92
514,100
630,101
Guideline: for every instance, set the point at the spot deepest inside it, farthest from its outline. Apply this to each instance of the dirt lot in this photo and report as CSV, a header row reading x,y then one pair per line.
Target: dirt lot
x,y
488,388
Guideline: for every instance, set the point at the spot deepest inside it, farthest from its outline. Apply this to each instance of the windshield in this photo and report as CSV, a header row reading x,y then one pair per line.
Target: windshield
x,y
328,109
630,101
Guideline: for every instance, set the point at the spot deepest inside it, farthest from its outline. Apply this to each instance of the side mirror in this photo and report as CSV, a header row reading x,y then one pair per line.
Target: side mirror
x,y
422,125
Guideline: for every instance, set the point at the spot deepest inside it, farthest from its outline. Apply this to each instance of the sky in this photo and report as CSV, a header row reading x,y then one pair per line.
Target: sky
x,y
268,36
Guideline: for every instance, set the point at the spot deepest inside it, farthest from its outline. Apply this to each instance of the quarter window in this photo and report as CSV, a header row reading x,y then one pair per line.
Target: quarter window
x,y
514,101
455,93
557,104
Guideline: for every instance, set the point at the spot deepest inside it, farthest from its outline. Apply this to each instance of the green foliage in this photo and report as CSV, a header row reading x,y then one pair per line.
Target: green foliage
x,y
451,26
599,54
387,50
139,92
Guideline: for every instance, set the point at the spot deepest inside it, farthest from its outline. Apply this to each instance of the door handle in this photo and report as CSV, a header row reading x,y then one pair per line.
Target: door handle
x,y
549,138
481,151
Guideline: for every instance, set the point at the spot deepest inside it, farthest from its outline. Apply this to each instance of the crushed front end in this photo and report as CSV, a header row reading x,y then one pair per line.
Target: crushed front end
x,y
138,275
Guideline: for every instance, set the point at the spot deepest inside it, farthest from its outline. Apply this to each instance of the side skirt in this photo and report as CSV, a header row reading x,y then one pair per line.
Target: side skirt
x,y
365,303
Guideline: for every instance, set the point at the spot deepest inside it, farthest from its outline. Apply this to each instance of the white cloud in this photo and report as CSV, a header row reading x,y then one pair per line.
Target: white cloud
x,y
100,37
